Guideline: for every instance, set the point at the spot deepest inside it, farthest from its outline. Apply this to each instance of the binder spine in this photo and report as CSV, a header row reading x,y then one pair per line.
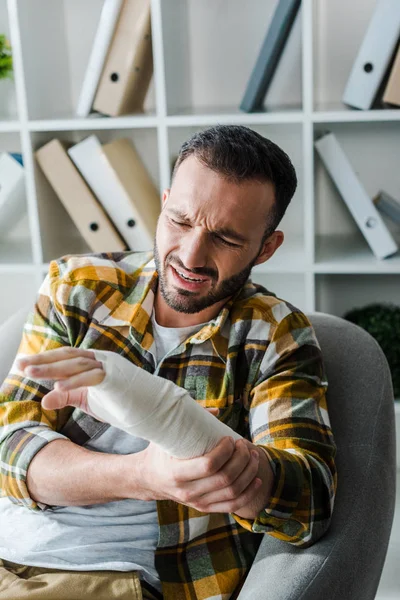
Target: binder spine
x,y
269,55
84,209
374,55
388,206
391,94
128,68
105,30
358,202
105,184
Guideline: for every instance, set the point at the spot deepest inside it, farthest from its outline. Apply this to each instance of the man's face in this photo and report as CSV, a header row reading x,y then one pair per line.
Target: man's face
x,y
209,236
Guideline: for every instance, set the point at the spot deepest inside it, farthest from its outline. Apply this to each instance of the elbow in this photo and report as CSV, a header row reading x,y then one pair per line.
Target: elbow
x,y
312,516
319,511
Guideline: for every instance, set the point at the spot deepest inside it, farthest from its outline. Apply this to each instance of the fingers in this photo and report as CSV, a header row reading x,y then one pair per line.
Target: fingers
x,y
235,489
231,506
204,466
85,379
51,356
234,477
62,369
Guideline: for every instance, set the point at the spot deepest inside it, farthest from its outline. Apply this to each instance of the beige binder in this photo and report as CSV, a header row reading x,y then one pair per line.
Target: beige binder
x,y
391,94
139,207
128,68
78,200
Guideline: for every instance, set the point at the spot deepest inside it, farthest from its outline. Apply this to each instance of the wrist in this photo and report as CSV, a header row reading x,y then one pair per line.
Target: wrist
x,y
262,496
130,476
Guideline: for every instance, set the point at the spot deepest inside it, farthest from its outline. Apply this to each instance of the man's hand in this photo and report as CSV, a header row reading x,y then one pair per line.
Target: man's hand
x,y
223,480
233,477
72,369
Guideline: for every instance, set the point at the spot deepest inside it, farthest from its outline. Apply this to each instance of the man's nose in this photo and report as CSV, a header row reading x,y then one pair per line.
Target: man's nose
x,y
194,250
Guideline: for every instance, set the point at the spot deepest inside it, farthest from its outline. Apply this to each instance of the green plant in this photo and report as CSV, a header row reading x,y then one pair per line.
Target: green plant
x,y
6,62
382,321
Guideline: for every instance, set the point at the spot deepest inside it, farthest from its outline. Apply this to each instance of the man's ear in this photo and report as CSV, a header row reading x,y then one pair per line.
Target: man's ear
x,y
270,246
165,196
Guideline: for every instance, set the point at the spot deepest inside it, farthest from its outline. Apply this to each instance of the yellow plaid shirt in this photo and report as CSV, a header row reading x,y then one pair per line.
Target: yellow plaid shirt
x,y
258,361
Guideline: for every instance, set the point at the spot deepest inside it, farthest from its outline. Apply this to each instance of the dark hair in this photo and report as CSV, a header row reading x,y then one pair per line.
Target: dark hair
x,y
239,154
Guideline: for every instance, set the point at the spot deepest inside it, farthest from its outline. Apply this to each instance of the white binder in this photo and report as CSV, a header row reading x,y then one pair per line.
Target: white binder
x,y
374,55
105,30
101,177
79,202
359,203
12,193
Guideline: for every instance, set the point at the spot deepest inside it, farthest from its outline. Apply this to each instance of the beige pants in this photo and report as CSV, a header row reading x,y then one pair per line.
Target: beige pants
x,y
19,582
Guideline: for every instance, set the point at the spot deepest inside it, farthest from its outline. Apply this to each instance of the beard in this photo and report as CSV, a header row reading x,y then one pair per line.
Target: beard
x,y
185,301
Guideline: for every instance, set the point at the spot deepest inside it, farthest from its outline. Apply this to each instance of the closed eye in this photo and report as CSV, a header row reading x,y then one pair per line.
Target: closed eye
x,y
221,239
215,235
179,223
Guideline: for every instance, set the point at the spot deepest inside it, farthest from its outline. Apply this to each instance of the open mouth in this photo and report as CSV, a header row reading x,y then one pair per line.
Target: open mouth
x,y
186,281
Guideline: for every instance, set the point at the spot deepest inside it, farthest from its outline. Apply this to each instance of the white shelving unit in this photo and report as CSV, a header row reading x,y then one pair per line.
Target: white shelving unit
x,y
198,81
203,55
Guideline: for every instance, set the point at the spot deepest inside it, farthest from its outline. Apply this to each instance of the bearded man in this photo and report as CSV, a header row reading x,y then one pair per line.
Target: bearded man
x,y
92,509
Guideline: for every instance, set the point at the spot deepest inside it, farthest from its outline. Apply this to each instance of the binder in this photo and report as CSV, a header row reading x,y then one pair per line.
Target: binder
x,y
270,53
12,193
83,208
133,176
120,181
108,20
374,55
388,206
391,94
129,65
18,157
353,193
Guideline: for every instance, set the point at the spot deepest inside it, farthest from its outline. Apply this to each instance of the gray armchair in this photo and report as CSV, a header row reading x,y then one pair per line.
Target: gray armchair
x,y
346,564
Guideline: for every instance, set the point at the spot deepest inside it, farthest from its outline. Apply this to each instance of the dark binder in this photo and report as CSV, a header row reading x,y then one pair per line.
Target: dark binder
x,y
388,206
270,53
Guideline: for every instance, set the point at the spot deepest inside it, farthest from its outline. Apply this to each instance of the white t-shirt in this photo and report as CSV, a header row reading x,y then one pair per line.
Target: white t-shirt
x,y
115,536
168,338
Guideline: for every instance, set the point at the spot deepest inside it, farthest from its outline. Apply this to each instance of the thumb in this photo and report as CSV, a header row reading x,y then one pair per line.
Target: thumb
x,y
213,411
56,399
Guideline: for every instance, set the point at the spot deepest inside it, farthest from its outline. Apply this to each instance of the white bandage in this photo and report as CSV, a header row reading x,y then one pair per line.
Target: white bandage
x,y
153,408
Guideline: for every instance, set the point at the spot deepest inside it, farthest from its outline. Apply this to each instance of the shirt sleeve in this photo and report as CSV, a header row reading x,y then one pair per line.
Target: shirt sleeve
x,y
288,417
25,427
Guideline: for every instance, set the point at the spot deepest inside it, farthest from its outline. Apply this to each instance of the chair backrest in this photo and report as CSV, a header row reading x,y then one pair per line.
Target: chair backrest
x,y
347,562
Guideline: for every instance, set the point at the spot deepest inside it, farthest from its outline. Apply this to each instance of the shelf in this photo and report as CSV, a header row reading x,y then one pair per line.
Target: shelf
x,y
339,113
279,114
204,116
94,122
350,254
9,126
190,116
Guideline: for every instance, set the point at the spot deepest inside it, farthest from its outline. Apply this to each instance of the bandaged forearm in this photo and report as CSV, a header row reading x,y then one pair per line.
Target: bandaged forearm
x,y
153,408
